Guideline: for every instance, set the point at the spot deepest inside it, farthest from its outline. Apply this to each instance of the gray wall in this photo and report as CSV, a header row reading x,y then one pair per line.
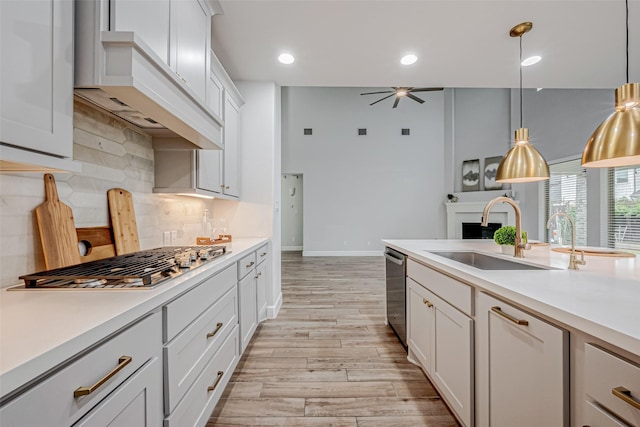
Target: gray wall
x,y
360,189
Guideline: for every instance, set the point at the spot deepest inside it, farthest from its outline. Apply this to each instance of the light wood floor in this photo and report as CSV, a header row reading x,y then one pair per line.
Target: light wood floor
x,y
328,359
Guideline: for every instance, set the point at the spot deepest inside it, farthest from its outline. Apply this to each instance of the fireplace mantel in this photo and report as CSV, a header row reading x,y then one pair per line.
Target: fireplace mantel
x,y
460,212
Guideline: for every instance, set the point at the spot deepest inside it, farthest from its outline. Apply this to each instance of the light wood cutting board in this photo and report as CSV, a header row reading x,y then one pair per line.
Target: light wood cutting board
x,y
123,221
57,229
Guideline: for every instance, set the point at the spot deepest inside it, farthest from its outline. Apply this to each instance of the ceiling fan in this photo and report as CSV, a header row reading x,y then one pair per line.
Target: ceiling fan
x,y
401,92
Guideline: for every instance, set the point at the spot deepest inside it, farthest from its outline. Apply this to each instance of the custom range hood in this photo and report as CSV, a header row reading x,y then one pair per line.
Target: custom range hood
x,y
119,72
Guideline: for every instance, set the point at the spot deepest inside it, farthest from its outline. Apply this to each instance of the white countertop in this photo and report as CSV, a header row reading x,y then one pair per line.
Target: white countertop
x,y
601,299
39,329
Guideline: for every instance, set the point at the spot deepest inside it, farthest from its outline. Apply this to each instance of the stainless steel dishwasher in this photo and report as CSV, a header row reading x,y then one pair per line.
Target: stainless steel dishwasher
x,y
396,266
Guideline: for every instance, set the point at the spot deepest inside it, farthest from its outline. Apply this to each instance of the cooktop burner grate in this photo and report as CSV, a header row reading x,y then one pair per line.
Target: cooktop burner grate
x,y
136,270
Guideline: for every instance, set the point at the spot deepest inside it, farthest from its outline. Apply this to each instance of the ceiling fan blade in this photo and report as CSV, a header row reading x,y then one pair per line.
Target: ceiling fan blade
x,y
395,104
382,99
373,93
415,98
425,89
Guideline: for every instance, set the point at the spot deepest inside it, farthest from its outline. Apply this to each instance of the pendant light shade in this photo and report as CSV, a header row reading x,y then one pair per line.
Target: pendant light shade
x,y
616,142
522,163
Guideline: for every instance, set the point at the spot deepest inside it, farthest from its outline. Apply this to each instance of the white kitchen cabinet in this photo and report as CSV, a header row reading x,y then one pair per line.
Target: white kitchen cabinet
x,y
36,89
262,275
419,324
231,147
190,24
247,295
215,92
612,387
150,19
70,393
446,350
522,368
136,403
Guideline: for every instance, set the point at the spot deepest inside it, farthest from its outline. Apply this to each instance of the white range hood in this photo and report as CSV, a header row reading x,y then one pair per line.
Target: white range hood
x,y
118,72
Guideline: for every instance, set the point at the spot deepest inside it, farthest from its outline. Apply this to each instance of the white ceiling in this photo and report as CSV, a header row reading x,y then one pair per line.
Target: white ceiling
x,y
459,43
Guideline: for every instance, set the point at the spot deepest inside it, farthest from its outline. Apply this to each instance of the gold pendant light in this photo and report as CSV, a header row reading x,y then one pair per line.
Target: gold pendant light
x,y
522,163
616,142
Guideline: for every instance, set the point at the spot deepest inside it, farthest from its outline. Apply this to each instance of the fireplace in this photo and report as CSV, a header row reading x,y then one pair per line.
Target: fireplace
x,y
474,230
471,213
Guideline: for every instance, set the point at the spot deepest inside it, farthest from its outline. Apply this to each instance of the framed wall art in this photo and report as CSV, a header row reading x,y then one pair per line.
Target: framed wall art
x,y
471,175
490,170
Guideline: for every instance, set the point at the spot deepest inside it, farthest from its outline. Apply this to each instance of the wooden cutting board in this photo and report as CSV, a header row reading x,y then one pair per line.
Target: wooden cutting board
x,y
96,242
57,229
123,221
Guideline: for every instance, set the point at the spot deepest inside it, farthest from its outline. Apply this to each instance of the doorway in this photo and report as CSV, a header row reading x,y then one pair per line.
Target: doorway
x,y
292,231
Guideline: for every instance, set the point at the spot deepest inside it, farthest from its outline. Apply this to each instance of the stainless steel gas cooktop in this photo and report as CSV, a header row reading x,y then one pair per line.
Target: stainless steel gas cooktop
x,y
138,270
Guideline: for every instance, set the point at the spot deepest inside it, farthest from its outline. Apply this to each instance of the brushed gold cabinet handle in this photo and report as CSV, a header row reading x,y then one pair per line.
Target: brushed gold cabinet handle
x,y
256,276
499,311
260,274
263,254
625,395
427,303
250,264
222,186
213,387
227,187
215,331
83,391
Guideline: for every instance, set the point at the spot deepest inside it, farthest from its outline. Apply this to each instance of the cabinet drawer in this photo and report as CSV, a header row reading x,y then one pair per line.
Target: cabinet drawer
x,y
52,402
137,402
246,264
198,403
596,417
262,254
187,354
186,308
605,372
456,293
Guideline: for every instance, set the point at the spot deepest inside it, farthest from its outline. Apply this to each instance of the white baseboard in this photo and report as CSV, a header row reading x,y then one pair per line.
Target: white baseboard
x,y
291,248
342,253
273,310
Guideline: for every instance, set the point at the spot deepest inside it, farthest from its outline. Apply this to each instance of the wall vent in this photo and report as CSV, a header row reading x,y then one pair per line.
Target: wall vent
x,y
308,131
405,131
362,131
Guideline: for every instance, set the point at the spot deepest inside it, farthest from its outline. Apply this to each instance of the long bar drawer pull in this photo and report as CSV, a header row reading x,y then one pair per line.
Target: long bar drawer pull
x,y
83,391
427,303
499,311
250,264
624,394
215,331
263,254
213,387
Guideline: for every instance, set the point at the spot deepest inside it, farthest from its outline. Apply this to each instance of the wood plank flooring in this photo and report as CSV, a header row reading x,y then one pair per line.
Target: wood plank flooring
x,y
328,359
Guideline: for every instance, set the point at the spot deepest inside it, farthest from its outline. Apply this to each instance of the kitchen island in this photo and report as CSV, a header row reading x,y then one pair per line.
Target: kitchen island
x,y
588,314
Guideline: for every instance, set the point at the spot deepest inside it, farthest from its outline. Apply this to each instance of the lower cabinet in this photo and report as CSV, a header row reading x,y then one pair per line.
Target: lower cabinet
x,y
247,290
262,271
131,395
137,402
522,368
440,338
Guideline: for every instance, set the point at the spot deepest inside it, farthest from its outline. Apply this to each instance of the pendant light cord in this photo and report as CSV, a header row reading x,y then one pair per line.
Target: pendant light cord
x,y
626,3
521,79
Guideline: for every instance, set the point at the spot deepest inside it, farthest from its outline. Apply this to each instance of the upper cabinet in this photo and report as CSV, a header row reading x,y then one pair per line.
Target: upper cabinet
x,y
147,62
36,93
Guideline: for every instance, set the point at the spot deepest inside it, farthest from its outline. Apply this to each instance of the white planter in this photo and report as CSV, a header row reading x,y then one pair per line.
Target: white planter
x,y
508,249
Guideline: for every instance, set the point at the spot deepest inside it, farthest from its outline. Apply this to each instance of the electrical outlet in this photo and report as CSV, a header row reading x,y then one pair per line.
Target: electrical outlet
x,y
174,237
166,238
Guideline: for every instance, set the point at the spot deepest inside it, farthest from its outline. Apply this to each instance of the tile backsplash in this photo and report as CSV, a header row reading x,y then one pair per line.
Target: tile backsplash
x,y
112,155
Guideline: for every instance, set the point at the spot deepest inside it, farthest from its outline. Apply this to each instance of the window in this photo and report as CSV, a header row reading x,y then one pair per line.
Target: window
x,y
624,208
566,191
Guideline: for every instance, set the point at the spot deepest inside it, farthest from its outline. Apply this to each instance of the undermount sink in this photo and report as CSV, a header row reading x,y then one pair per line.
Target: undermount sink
x,y
486,262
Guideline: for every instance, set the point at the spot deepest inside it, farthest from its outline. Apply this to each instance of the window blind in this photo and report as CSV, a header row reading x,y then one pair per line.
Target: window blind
x,y
624,208
566,191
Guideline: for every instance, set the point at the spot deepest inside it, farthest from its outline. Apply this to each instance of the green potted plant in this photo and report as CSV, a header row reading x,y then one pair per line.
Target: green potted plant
x,y
506,238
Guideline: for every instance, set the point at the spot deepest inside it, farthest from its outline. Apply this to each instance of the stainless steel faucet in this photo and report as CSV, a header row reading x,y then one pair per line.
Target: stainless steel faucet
x,y
519,246
573,260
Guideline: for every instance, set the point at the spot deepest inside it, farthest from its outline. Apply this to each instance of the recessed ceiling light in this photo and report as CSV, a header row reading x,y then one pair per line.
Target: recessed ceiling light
x,y
286,58
408,59
531,60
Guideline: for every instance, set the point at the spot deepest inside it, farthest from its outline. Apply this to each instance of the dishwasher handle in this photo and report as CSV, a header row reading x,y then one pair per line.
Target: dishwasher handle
x,y
394,259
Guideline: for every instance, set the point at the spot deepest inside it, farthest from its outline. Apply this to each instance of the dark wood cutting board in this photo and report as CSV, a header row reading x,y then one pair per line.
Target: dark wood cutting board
x,y
57,229
123,221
